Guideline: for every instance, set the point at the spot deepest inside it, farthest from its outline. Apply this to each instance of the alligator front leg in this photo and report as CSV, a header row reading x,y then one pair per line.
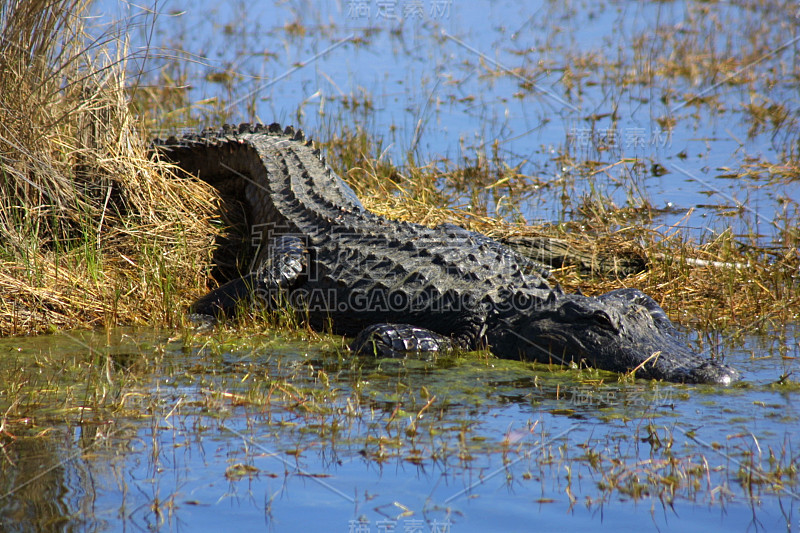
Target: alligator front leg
x,y
398,340
268,285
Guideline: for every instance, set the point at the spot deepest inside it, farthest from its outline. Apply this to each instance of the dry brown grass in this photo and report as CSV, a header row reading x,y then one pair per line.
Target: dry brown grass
x,y
92,232
719,284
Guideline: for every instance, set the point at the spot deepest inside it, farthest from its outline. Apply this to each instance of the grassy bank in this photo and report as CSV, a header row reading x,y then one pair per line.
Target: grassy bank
x,y
92,232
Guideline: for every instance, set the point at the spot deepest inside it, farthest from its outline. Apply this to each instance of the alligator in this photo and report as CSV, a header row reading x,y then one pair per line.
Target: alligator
x,y
400,288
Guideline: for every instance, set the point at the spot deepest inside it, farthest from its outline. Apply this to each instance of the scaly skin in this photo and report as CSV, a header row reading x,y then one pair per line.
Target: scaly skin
x,y
401,287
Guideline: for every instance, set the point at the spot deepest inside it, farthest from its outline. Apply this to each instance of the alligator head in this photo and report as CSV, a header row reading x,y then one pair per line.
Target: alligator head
x,y
620,331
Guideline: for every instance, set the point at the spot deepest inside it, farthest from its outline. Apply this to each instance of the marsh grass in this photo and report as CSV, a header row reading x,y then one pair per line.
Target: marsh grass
x,y
714,283
695,280
95,233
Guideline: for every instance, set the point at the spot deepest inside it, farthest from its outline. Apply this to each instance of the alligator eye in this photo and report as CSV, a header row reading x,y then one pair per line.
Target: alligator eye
x,y
602,319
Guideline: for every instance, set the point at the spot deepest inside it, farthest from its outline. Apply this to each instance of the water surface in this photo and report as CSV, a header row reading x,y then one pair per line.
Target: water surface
x,y
666,100
279,434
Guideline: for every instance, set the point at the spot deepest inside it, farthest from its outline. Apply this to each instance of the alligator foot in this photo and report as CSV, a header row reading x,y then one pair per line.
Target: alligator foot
x,y
224,301
398,340
267,286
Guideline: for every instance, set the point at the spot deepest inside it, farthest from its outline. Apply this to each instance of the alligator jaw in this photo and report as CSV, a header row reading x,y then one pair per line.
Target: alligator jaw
x,y
676,362
712,372
622,331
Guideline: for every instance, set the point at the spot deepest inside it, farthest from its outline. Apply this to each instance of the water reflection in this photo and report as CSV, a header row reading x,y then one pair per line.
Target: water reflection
x,y
47,483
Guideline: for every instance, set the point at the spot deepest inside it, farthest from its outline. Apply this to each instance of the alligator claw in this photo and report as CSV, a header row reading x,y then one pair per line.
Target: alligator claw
x,y
398,340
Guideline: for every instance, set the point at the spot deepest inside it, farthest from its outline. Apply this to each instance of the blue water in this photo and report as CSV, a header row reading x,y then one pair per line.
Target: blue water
x,y
456,80
505,446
